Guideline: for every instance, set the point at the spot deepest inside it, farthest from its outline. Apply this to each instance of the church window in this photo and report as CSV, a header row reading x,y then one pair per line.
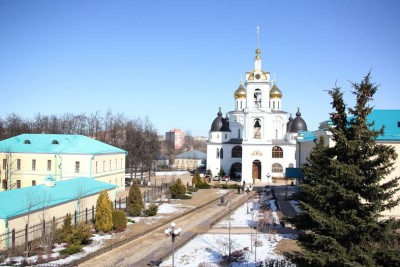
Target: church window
x,y
291,165
257,98
276,167
273,105
278,105
217,153
276,134
257,129
277,152
226,136
221,153
237,152
238,133
241,107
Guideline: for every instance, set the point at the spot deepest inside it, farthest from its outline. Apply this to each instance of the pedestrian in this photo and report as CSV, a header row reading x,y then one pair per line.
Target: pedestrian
x,y
254,180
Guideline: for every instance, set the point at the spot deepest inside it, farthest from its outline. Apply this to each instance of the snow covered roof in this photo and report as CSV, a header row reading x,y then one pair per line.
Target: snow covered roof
x,y
193,154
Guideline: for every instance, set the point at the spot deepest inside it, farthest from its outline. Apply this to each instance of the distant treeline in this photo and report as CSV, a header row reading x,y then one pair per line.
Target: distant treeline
x,y
137,136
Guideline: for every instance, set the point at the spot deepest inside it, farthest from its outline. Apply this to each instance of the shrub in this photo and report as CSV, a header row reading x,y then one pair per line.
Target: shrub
x,y
66,229
224,186
134,204
177,188
183,196
192,189
119,220
71,249
203,186
80,235
103,217
234,186
152,210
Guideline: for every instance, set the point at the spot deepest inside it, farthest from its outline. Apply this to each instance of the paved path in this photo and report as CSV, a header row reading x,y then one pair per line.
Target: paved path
x,y
155,245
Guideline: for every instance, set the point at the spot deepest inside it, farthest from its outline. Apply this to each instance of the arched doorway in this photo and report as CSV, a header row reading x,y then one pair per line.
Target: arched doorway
x,y
236,171
256,169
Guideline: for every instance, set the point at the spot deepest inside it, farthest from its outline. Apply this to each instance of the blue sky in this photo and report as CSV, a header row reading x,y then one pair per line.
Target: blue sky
x,y
176,62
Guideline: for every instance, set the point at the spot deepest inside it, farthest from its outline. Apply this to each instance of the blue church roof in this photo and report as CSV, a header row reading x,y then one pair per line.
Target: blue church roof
x,y
57,144
193,154
20,201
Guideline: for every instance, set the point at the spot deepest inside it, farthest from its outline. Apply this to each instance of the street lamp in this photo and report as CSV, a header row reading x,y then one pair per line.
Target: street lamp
x,y
268,175
171,231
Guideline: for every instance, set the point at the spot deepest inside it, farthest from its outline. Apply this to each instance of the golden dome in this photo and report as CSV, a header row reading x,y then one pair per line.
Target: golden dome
x,y
275,92
240,92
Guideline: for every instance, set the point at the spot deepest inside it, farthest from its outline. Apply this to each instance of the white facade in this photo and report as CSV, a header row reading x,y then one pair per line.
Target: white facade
x,y
253,140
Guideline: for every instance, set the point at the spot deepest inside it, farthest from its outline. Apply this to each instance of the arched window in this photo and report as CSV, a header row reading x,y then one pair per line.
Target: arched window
x,y
27,142
221,153
277,168
54,142
257,128
238,133
237,152
257,98
291,165
277,152
217,153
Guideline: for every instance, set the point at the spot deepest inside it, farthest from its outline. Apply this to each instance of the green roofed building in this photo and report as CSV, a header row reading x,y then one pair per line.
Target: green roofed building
x,y
34,204
27,159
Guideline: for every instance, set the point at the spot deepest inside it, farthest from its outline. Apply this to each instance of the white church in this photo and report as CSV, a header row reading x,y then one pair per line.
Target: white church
x,y
258,139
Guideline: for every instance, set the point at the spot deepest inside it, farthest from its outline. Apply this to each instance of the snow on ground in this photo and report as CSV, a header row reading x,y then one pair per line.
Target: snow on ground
x,y
240,217
171,173
208,248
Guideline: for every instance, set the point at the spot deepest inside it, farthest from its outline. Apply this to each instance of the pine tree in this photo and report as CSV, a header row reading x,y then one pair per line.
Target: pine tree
x,y
346,189
103,216
134,205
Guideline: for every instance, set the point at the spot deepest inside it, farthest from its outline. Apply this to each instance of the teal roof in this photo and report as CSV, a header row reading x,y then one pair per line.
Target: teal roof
x,y
16,202
193,154
307,136
384,117
388,118
57,144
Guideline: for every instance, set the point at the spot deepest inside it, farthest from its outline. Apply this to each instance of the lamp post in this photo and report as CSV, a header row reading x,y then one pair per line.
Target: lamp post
x,y
268,176
171,231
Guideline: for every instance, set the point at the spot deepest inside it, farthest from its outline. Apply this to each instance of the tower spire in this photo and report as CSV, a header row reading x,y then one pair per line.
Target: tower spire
x,y
258,37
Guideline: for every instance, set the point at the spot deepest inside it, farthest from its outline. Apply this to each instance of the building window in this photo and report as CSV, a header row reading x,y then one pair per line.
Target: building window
x,y
110,164
116,163
104,165
276,167
97,166
257,128
4,184
237,152
221,153
238,133
277,152
77,166
121,164
49,165
291,165
33,182
257,98
217,155
4,164
18,164
226,136
34,165
18,183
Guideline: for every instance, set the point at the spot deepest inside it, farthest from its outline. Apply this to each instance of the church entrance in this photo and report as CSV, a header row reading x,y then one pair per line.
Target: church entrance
x,y
256,169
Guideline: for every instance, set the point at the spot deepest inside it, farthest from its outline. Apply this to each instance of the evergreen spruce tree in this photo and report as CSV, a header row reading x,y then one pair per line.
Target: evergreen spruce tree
x,y
103,216
345,190
134,205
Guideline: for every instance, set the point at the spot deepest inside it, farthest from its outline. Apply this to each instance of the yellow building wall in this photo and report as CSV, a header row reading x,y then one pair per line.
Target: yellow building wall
x,y
59,211
109,168
395,212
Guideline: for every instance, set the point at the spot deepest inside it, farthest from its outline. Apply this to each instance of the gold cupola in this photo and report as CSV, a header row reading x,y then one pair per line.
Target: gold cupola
x,y
275,92
240,92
